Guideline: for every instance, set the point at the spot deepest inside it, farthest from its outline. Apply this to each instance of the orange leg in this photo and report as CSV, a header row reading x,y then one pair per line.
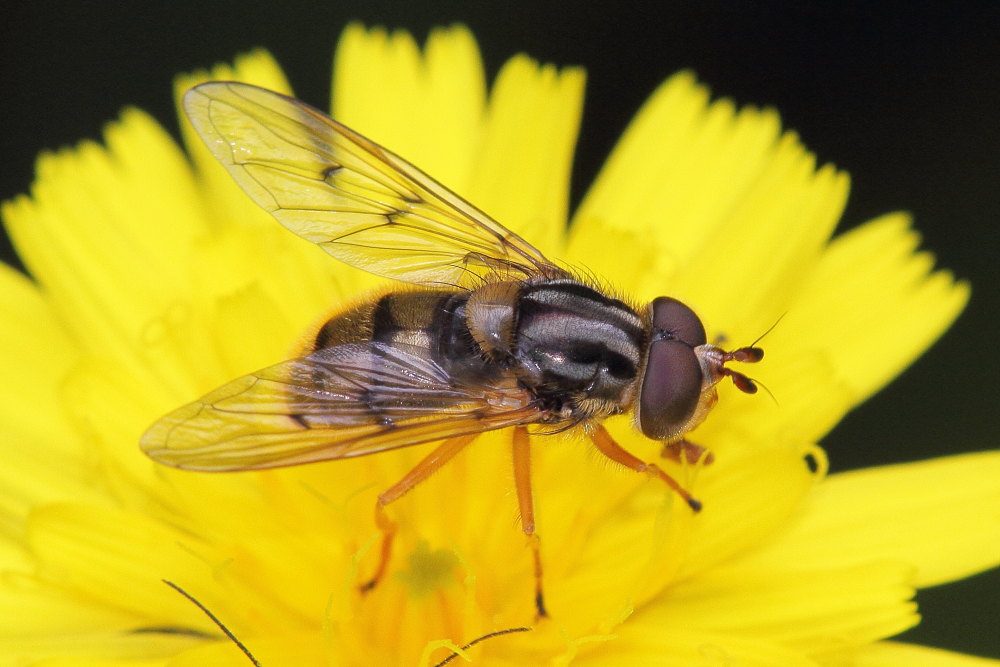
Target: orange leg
x,y
522,482
427,467
614,451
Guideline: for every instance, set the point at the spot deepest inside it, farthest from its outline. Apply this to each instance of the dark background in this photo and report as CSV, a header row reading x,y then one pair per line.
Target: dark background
x,y
904,96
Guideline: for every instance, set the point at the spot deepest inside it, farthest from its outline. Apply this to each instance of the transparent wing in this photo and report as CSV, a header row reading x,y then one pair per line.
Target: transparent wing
x,y
339,402
358,201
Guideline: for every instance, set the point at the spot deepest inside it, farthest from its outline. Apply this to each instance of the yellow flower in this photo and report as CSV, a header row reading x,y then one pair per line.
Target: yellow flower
x,y
155,282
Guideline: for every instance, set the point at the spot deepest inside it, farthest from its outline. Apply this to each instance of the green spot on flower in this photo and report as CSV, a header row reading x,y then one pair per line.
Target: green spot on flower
x,y
427,571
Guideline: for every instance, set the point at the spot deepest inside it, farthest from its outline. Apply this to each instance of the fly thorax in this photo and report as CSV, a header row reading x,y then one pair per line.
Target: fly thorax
x,y
570,338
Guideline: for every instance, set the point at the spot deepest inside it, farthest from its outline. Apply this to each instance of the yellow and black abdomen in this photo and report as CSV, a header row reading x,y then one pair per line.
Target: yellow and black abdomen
x,y
432,322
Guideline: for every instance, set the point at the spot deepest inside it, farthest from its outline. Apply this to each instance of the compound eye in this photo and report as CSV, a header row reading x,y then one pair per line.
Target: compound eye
x,y
671,389
674,318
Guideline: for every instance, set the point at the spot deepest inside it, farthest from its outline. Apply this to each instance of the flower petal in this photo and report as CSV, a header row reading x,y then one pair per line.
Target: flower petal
x,y
510,157
379,78
715,194
280,650
642,645
748,493
49,461
815,611
840,339
92,233
115,557
874,302
97,648
893,654
938,516
522,175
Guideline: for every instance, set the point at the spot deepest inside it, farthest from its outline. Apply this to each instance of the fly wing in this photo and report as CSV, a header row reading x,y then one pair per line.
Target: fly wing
x,y
339,402
358,201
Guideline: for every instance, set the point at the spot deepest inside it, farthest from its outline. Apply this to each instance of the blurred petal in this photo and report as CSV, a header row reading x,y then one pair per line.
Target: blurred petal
x,y
381,78
92,232
877,300
641,645
522,178
710,191
940,517
893,654
813,611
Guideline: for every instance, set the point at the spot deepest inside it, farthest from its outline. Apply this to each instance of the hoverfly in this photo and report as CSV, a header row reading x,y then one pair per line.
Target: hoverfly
x,y
495,335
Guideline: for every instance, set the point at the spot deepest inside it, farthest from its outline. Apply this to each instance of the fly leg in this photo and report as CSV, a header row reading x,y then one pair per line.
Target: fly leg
x,y
427,467
522,482
614,451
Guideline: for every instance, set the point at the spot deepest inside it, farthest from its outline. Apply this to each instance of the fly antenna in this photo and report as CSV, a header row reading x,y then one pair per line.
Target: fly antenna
x,y
769,392
768,330
749,354
753,346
